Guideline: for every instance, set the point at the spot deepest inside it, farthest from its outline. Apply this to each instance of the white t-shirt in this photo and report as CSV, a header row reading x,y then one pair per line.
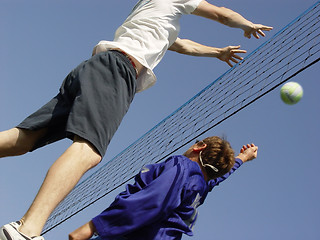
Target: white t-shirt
x,y
147,33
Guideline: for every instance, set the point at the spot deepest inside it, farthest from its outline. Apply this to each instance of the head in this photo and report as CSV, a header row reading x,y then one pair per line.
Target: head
x,y
215,155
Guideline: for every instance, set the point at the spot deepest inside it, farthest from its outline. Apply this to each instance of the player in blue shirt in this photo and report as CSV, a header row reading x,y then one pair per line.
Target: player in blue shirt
x,y
162,202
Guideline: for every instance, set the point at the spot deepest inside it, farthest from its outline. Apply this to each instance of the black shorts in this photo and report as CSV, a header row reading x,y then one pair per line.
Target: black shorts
x,y
91,103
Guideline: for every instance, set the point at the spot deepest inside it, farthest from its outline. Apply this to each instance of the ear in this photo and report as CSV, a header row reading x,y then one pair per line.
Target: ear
x,y
198,148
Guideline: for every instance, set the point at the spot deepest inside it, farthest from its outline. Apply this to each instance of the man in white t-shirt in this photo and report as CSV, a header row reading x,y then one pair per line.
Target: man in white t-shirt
x,y
123,66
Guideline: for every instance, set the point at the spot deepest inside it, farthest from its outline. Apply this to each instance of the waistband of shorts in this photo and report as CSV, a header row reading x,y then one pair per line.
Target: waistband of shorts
x,y
126,58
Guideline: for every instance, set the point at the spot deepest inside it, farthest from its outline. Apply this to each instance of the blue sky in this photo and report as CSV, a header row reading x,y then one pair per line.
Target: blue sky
x,y
274,197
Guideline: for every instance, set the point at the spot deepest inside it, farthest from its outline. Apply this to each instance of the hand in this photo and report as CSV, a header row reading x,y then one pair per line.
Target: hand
x,y
84,232
256,30
229,53
248,152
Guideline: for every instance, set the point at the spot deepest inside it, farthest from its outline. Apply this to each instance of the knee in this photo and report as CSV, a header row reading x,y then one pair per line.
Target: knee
x,y
95,160
89,154
90,158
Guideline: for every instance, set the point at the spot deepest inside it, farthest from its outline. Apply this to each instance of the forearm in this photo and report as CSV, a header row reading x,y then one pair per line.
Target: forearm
x,y
222,15
227,54
84,232
217,181
236,165
233,19
188,47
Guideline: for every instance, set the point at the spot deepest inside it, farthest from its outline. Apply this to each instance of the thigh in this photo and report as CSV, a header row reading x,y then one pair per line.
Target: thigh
x,y
17,141
107,88
30,137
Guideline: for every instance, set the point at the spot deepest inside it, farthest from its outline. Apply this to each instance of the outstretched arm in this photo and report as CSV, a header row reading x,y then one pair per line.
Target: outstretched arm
x,y
247,153
228,54
230,18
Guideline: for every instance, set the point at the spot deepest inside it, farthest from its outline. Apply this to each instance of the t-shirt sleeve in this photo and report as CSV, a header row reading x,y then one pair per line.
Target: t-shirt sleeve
x,y
191,5
153,202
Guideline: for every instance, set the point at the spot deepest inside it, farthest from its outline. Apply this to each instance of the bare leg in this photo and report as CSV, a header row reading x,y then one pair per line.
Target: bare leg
x,y
15,141
61,178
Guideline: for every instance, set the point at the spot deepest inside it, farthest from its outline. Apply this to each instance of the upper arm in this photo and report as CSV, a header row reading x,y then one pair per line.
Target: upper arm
x,y
176,46
206,10
184,46
210,11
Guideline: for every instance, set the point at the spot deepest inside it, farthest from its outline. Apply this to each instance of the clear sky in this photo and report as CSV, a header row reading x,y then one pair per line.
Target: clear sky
x,y
274,197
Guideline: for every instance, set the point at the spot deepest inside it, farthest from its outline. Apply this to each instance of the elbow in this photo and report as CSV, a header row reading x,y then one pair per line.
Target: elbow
x,y
183,50
180,47
186,47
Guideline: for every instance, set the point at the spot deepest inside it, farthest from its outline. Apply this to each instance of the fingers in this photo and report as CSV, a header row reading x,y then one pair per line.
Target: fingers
x,y
230,65
238,57
261,33
245,147
248,152
233,54
233,60
247,35
252,146
255,35
262,28
266,28
257,31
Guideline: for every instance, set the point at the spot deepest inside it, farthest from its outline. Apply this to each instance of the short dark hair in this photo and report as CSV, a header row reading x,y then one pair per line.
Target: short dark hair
x,y
219,154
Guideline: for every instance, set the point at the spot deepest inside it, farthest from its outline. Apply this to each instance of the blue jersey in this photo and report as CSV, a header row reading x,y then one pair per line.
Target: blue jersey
x,y
161,204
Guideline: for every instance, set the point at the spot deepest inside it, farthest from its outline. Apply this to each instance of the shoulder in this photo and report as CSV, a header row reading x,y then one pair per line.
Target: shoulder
x,y
184,162
192,172
174,162
178,165
183,166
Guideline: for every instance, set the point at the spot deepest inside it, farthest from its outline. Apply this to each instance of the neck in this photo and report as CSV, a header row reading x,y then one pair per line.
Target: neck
x,y
195,158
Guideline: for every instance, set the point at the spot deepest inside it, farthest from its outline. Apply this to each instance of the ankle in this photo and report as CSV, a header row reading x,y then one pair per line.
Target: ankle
x,y
27,229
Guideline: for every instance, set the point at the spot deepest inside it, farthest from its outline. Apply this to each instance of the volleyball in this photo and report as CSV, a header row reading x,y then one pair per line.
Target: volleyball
x,y
291,93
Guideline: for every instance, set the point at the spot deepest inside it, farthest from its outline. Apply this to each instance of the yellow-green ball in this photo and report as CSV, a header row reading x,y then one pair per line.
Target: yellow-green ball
x,y
291,93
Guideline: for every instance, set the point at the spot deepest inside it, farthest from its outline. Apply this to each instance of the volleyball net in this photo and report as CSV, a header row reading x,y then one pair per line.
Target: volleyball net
x,y
292,50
